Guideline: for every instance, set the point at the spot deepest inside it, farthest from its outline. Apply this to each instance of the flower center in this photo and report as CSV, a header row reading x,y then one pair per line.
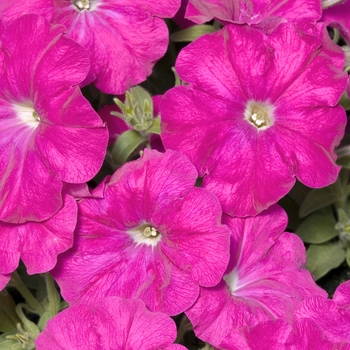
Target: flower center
x,y
231,280
27,114
145,234
259,114
82,4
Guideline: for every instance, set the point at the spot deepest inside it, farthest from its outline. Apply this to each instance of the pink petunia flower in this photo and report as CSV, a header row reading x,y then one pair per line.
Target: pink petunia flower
x,y
333,316
302,334
255,115
113,323
261,13
116,126
180,19
49,133
338,16
154,236
37,243
4,279
265,279
124,38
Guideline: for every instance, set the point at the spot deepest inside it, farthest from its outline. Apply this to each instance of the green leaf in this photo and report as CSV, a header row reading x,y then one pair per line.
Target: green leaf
x,y
43,319
63,305
7,344
126,146
8,316
299,192
155,128
348,256
317,199
345,102
318,227
343,154
28,326
342,217
324,257
192,33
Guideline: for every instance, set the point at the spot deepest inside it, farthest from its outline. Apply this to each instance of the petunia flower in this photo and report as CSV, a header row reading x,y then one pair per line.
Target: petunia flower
x,y
4,279
37,243
260,13
265,279
154,236
255,114
125,38
113,323
49,133
302,334
179,17
338,16
332,315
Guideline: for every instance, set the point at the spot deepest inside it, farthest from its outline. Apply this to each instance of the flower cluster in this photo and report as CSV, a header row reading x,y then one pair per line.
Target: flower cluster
x,y
164,207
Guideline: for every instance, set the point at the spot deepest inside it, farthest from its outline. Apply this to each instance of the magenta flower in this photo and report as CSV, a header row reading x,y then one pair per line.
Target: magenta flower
x,y
303,334
49,133
254,12
154,236
113,323
116,126
37,243
4,279
124,38
265,279
255,115
338,16
333,316
179,17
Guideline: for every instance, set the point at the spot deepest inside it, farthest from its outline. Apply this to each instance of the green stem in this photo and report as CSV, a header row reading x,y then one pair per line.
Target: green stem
x,y
341,202
50,284
27,295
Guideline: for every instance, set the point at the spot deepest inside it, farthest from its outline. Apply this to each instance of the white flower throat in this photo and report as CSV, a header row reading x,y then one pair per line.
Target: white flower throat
x,y
259,114
27,114
145,234
85,4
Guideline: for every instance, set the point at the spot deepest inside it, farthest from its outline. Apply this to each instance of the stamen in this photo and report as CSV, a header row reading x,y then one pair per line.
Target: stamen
x,y
26,114
145,234
259,114
82,4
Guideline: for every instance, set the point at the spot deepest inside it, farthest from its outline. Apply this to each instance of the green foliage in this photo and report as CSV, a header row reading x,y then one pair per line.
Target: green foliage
x,y
192,33
319,227
8,317
317,199
126,146
322,258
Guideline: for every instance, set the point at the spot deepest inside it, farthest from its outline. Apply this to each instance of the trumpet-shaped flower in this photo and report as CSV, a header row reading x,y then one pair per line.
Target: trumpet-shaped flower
x,y
332,315
125,38
265,279
303,334
338,16
113,323
260,13
37,243
154,236
49,133
257,112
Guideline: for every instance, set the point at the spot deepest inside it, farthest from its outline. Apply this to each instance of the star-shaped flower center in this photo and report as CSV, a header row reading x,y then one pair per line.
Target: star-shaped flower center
x,y
145,234
27,114
259,114
85,4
